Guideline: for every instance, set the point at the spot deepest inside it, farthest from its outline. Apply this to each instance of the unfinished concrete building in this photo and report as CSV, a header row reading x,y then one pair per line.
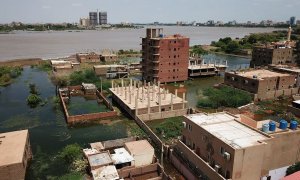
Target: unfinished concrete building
x,y
164,58
15,153
263,84
219,146
271,54
88,57
198,67
148,102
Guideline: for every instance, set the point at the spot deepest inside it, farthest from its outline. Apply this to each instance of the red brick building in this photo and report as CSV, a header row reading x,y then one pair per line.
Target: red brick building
x,y
164,58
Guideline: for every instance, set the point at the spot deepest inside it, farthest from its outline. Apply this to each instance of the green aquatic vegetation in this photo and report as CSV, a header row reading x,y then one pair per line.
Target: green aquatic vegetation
x,y
7,74
224,97
170,128
21,121
33,100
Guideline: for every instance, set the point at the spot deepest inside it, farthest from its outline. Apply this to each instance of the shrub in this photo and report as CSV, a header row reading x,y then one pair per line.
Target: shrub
x,y
70,153
33,100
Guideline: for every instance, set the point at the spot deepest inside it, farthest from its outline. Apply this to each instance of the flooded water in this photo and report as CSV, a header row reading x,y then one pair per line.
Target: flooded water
x,y
56,44
48,130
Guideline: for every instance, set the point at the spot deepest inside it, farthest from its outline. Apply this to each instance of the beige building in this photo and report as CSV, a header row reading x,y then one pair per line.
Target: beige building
x,y
88,57
148,102
220,146
263,84
15,152
271,54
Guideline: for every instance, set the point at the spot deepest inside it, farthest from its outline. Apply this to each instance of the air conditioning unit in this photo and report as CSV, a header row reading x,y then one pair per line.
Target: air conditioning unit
x,y
226,156
184,124
217,168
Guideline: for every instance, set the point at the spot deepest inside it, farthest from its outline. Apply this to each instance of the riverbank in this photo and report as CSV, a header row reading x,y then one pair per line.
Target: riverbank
x,y
21,62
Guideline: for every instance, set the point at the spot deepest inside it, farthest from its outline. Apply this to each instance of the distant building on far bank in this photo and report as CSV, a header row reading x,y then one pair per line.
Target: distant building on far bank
x,y
102,18
84,22
93,18
293,21
15,153
164,58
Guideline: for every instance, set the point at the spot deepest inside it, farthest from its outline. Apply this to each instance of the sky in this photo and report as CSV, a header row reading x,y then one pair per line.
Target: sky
x,y
148,11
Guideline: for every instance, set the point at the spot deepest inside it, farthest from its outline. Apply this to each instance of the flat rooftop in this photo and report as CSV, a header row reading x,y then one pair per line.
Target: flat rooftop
x,y
12,147
121,156
105,173
101,159
142,94
139,147
224,127
261,74
109,66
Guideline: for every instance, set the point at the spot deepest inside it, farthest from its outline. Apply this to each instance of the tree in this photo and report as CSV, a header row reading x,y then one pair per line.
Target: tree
x,y
33,89
292,169
198,50
233,47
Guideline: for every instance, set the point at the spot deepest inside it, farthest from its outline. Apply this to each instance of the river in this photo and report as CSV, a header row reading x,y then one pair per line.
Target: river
x,y
25,44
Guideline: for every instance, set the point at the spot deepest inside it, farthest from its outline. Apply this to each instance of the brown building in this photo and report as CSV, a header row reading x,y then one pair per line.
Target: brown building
x,y
263,84
271,54
88,57
164,58
15,153
219,146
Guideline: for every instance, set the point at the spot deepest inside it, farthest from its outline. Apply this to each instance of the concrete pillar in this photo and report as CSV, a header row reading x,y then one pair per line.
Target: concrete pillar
x,y
112,85
129,97
122,82
153,92
183,100
130,82
136,106
138,93
175,93
154,81
118,89
125,91
134,86
172,102
165,94
159,102
142,93
148,96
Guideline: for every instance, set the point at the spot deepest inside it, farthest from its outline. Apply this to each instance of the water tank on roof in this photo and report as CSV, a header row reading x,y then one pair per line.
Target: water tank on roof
x,y
265,128
283,124
272,126
293,125
161,35
254,77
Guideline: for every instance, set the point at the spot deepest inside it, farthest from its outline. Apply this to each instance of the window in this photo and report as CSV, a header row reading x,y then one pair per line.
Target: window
x,y
222,150
174,56
190,127
174,49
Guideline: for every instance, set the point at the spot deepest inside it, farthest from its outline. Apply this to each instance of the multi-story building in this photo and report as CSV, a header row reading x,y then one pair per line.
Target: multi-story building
x,y
220,146
88,57
93,18
164,58
102,18
15,153
292,21
263,84
271,54
84,22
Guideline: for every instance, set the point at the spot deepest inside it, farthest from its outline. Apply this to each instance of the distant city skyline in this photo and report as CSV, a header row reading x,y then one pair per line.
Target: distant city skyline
x,y
145,11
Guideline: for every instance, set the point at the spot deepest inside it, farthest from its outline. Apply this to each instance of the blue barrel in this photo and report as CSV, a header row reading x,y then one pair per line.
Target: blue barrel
x,y
293,125
265,128
272,126
283,124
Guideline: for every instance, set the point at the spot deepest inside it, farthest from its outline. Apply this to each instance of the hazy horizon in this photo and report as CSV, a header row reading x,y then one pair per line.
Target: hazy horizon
x,y
145,11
